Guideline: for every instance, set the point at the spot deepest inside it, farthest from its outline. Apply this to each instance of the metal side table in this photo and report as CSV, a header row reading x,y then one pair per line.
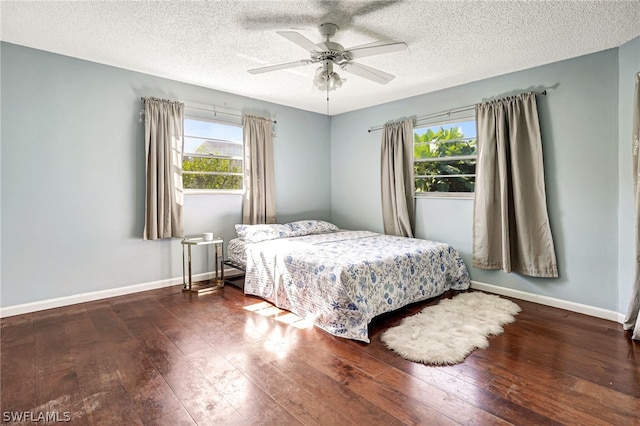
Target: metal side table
x,y
212,284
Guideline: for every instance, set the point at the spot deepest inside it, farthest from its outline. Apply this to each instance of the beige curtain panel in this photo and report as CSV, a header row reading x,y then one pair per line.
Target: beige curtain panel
x,y
163,136
632,320
259,203
511,228
397,178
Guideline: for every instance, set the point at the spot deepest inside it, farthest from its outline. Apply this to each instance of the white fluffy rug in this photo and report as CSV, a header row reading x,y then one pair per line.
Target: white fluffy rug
x,y
449,331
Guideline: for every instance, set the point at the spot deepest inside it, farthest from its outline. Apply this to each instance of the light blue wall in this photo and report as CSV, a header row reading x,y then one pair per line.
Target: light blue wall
x,y
579,123
629,60
73,176
72,167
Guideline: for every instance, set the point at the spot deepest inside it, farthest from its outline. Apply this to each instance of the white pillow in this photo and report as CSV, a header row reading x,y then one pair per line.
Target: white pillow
x,y
257,233
264,232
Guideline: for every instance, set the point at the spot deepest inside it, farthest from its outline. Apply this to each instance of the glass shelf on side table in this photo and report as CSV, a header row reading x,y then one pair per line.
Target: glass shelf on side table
x,y
212,284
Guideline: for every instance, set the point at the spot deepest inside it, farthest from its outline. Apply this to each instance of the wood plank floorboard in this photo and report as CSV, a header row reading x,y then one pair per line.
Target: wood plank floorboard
x,y
162,357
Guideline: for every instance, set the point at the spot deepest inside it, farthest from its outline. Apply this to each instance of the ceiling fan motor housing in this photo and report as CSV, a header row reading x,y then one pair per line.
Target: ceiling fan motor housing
x,y
330,55
329,50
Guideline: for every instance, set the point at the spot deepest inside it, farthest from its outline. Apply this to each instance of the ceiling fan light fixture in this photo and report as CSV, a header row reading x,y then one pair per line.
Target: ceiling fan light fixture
x,y
326,79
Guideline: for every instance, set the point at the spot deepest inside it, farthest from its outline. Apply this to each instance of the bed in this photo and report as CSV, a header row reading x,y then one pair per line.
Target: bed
x,y
342,279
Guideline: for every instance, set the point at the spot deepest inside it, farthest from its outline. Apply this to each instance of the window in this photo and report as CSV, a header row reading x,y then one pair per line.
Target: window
x,y
213,155
444,158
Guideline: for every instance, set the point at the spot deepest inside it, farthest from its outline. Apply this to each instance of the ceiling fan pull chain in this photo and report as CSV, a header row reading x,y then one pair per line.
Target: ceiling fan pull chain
x,y
327,100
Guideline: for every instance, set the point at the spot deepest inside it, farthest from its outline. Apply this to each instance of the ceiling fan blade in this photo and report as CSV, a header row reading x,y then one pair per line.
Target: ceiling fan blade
x,y
370,44
286,65
361,52
300,40
368,72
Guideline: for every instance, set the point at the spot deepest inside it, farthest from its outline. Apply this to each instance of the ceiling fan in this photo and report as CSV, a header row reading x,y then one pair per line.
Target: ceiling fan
x,y
329,54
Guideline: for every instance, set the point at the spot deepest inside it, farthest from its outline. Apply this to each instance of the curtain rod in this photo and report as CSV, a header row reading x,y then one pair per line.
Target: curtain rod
x,y
444,113
214,111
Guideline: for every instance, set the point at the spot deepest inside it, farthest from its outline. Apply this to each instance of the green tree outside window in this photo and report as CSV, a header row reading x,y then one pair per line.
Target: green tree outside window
x,y
450,164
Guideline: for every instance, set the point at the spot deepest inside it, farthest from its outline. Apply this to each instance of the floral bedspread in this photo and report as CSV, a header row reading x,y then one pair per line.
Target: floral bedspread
x,y
342,280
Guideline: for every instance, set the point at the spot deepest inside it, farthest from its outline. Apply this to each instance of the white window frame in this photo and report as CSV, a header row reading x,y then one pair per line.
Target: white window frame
x,y
198,117
436,194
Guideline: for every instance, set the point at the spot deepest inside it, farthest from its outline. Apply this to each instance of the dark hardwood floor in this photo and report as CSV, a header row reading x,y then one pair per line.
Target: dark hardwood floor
x,y
166,358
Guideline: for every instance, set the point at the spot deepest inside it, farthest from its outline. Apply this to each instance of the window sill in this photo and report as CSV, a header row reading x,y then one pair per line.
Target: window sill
x,y
212,192
445,195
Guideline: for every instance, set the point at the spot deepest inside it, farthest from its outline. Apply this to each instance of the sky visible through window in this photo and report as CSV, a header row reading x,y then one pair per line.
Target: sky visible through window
x,y
208,129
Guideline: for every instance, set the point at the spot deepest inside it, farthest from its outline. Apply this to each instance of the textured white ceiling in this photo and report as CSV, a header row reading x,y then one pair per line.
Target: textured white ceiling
x,y
214,43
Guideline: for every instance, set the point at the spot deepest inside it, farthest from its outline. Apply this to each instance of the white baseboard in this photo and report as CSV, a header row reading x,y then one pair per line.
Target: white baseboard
x,y
121,291
101,294
550,301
